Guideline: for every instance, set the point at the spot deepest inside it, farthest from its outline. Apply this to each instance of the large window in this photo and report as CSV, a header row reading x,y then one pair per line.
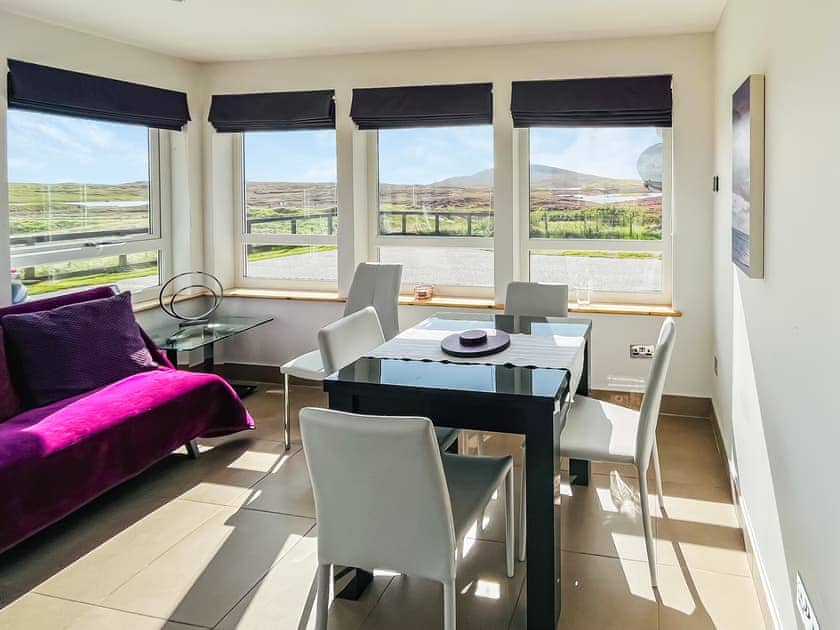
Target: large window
x,y
598,212
289,213
434,211
85,203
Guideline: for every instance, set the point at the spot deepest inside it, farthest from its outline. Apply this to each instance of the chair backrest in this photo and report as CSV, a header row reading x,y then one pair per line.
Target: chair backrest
x,y
377,285
380,493
649,414
347,339
537,298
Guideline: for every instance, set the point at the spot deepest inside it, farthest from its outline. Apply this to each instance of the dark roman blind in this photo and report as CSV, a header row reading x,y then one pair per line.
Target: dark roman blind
x,y
55,91
274,111
423,106
608,102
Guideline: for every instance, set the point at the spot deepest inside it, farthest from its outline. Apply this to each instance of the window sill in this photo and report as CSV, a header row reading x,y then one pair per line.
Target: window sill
x,y
454,302
150,305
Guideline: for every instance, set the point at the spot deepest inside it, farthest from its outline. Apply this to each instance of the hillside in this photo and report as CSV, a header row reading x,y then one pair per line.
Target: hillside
x,y
542,176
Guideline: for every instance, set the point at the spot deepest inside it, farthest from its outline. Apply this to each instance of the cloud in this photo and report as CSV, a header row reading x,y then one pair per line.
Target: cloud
x,y
50,149
607,152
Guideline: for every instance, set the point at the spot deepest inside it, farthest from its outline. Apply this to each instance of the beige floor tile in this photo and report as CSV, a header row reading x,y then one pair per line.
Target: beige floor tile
x,y
285,597
689,452
40,612
486,596
685,425
113,518
266,407
286,490
701,530
225,473
693,599
599,593
203,576
605,517
97,574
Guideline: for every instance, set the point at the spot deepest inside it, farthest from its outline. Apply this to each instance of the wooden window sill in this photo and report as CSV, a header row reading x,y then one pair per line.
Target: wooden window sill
x,y
454,302
149,305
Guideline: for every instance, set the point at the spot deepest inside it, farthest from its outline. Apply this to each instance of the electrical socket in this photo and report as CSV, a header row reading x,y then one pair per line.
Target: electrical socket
x,y
642,351
803,604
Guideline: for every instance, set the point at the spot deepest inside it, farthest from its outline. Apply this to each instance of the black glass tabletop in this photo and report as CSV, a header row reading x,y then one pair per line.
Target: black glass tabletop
x,y
473,377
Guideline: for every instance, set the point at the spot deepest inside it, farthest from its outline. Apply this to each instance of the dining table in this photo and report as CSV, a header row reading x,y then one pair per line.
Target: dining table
x,y
525,389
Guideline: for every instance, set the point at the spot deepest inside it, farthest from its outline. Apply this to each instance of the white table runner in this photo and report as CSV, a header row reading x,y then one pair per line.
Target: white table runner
x,y
535,351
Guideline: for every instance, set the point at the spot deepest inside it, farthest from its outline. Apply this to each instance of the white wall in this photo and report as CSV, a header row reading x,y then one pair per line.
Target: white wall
x,y
688,58
36,42
777,338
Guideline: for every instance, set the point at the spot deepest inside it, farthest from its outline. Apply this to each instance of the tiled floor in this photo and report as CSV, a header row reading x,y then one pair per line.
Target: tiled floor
x,y
229,541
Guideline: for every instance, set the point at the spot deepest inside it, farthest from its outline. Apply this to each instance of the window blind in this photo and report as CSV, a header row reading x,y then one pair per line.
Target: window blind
x,y
423,106
274,111
55,91
643,101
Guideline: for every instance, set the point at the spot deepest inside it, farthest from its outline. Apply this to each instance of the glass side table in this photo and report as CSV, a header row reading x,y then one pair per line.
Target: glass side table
x,y
173,339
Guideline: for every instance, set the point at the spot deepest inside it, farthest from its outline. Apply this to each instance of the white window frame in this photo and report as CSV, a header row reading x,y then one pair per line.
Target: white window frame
x,y
664,246
377,240
243,238
158,239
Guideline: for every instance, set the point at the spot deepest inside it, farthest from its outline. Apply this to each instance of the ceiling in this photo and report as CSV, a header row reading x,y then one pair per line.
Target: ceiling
x,y
230,30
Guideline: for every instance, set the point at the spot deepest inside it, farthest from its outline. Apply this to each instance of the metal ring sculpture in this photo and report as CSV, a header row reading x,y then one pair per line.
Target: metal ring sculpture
x,y
169,308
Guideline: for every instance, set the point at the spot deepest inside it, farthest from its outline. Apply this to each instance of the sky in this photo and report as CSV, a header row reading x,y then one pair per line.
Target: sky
x,y
51,149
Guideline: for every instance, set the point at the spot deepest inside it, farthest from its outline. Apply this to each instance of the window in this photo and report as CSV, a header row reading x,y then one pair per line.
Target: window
x,y
434,210
85,204
289,212
599,211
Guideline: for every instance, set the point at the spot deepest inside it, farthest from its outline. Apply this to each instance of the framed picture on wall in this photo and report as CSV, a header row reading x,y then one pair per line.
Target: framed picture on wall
x,y
748,176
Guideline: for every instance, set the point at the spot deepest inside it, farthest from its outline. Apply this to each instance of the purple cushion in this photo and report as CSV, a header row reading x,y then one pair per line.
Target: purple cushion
x,y
9,402
76,348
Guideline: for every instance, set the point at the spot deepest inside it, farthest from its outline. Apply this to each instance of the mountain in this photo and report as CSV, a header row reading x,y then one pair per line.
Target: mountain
x,y
542,176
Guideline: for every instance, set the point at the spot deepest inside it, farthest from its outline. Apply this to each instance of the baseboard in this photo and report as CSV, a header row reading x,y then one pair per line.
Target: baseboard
x,y
672,404
767,603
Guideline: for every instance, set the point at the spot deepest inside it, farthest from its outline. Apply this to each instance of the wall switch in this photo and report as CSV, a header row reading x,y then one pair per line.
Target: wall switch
x,y
716,368
641,351
803,604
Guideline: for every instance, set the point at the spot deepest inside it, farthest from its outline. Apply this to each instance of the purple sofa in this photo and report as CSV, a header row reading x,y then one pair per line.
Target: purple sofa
x,y
56,458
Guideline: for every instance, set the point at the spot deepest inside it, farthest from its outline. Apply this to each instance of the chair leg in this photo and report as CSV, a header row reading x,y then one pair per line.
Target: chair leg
x,y
287,414
522,528
192,449
322,605
509,519
648,525
449,598
658,471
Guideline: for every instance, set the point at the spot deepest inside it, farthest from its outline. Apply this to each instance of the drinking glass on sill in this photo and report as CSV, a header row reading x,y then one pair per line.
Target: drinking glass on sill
x,y
584,292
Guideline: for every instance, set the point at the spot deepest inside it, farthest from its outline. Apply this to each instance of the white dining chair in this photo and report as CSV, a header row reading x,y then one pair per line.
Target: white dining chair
x,y
387,498
533,299
537,299
374,284
349,338
601,431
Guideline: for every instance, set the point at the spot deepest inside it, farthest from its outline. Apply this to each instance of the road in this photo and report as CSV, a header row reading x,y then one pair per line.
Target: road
x,y
474,267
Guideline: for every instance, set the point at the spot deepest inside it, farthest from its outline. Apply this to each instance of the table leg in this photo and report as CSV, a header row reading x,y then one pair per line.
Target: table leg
x,y
543,541
579,469
350,582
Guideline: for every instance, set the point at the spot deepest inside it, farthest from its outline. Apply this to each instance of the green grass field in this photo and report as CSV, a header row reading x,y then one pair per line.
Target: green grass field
x,y
42,279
